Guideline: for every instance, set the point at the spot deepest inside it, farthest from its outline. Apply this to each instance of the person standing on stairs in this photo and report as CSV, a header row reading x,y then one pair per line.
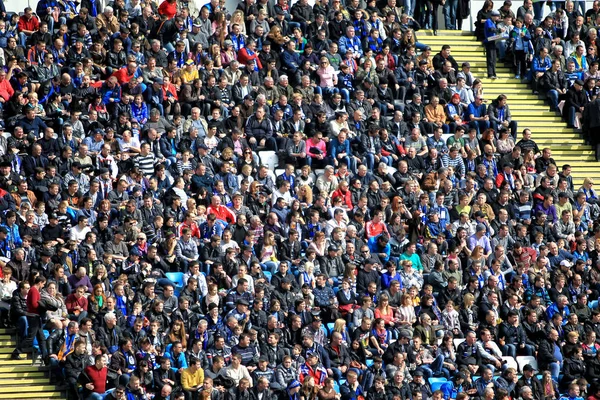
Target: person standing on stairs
x,y
592,121
34,321
490,30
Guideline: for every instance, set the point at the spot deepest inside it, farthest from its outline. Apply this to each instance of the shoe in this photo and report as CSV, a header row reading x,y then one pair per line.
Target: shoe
x,y
16,356
494,77
517,76
435,33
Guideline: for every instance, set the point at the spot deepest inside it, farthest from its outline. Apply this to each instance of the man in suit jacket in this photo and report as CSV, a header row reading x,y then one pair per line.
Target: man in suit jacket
x,y
34,160
242,89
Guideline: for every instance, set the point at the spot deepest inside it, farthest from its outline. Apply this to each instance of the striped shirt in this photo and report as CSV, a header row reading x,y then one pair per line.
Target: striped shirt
x,y
146,164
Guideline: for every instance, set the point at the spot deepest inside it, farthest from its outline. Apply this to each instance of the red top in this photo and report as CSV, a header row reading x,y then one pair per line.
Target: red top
x,y
28,25
72,302
98,378
123,76
33,297
168,9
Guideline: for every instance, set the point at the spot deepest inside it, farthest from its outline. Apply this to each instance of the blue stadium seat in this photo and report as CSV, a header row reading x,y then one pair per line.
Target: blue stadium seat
x,y
336,387
268,275
176,278
330,326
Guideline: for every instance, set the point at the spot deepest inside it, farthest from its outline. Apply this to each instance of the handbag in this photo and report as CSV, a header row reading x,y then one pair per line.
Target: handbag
x,y
48,304
355,364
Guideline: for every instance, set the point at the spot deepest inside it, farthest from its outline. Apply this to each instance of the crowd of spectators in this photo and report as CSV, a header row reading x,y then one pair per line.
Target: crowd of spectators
x,y
151,249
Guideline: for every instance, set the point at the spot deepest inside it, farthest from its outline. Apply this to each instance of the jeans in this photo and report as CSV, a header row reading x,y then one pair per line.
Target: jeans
x,y
169,47
538,10
409,7
420,46
509,350
389,160
554,370
270,266
22,328
450,13
350,162
529,350
571,115
171,161
346,94
480,126
79,317
318,164
370,161
512,126
23,39
95,396
435,368
35,331
337,374
553,97
501,45
326,91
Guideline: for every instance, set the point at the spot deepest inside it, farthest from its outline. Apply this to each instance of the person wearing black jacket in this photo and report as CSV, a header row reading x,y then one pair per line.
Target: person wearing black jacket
x,y
468,354
338,356
110,334
573,368
529,379
513,335
164,375
555,84
18,309
546,351
75,363
444,55
575,102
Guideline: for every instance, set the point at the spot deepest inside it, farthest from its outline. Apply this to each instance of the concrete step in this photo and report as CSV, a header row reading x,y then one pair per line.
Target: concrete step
x,y
28,388
33,395
12,376
22,381
16,369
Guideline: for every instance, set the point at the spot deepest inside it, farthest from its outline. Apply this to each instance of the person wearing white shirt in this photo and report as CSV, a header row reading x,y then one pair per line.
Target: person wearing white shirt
x,y
236,370
79,231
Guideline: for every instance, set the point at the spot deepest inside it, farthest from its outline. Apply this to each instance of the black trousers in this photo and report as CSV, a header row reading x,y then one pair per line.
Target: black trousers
x,y
490,58
34,330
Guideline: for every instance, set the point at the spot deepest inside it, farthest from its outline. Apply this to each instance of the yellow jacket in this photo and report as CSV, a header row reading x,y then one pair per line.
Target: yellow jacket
x,y
190,380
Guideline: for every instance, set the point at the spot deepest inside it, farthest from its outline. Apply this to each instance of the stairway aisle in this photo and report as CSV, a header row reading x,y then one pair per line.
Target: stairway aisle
x,y
548,129
18,378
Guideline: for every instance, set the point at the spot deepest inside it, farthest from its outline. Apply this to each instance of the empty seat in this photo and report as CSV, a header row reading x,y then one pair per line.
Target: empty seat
x,y
511,362
524,360
269,158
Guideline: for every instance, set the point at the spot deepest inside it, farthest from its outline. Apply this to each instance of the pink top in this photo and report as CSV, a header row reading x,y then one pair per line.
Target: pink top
x,y
327,76
320,145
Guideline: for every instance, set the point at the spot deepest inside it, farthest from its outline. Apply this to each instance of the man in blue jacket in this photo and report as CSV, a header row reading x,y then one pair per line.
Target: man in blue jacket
x,y
490,30
290,62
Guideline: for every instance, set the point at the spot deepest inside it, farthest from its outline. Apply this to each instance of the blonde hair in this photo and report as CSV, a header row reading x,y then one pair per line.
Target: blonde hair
x,y
339,325
308,194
